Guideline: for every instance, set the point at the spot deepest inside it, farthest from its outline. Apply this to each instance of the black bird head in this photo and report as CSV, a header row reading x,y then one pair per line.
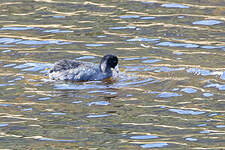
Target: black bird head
x,y
108,61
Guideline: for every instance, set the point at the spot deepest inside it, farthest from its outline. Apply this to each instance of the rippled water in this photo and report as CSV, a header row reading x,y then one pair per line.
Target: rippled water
x,y
169,93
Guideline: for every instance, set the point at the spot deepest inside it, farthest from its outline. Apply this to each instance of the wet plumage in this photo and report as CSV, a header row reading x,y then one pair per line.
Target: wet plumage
x,y
83,71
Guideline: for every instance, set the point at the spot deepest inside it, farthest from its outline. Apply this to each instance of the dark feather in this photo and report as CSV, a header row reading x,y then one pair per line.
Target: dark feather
x,y
65,65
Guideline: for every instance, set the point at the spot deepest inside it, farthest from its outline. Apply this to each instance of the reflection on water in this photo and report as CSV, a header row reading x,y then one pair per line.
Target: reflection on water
x,y
154,145
207,22
30,42
144,137
173,5
179,111
169,93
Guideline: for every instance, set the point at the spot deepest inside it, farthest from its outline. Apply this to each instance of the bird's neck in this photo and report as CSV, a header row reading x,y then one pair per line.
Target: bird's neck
x,y
104,68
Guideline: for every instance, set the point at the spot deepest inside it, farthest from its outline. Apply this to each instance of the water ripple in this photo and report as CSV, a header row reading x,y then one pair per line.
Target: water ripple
x,y
174,5
57,31
17,28
199,71
121,28
56,140
3,125
154,145
143,40
94,45
31,42
189,90
191,139
34,67
143,137
173,44
100,103
147,18
129,17
168,95
207,22
186,112
216,85
98,116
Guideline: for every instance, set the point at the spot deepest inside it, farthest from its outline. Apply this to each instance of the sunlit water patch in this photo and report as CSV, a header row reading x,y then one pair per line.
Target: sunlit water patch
x,y
191,139
121,28
135,58
223,76
208,94
2,85
3,125
143,137
34,67
171,57
199,71
207,22
187,112
31,42
189,90
77,86
57,113
173,44
153,69
103,91
154,145
129,17
168,95
174,5
220,126
151,61
166,69
9,65
27,109
77,102
17,28
5,105
86,57
58,16
121,82
44,98
145,59
7,51
98,115
33,28
205,132
99,103
94,45
56,140
216,85
212,47
143,40
147,18
57,31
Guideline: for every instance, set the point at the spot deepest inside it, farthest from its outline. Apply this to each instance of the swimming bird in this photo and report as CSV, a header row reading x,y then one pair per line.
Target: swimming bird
x,y
84,71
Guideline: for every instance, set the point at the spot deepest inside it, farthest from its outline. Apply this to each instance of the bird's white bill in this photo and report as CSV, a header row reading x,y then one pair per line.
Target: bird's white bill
x,y
117,68
115,72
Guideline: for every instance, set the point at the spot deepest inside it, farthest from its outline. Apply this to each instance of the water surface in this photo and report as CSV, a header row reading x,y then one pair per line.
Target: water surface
x,y
169,94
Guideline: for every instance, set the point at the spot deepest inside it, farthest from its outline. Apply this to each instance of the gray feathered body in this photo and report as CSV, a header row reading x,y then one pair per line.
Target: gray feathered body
x,y
77,71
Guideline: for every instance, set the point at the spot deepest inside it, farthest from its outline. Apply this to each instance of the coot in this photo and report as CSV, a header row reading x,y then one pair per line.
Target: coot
x,y
84,71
